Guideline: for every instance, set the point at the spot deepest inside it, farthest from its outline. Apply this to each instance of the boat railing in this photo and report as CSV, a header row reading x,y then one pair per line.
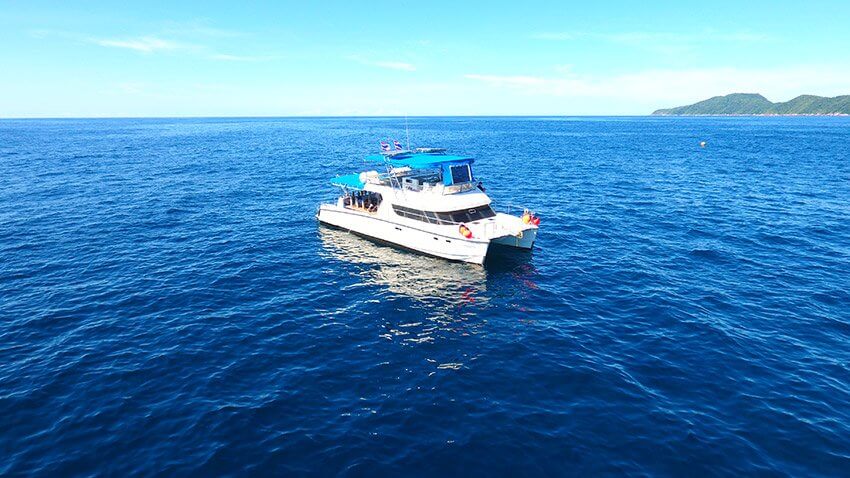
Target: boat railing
x,y
510,209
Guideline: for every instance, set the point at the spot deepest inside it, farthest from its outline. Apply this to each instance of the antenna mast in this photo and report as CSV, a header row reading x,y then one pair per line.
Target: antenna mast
x,y
407,130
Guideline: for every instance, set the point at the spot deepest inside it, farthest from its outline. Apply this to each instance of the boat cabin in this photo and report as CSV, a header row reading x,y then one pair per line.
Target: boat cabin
x,y
427,169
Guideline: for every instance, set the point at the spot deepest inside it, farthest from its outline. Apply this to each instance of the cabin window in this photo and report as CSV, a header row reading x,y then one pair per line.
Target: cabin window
x,y
459,216
484,212
416,214
446,218
410,213
461,174
473,214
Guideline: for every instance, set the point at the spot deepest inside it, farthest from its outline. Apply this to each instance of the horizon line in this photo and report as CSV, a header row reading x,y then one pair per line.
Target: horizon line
x,y
60,118
316,116
24,118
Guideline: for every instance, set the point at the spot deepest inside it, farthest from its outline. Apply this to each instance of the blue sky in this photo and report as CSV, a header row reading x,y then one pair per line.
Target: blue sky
x,y
417,58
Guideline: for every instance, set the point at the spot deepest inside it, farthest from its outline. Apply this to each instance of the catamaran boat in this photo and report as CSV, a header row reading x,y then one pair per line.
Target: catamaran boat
x,y
427,201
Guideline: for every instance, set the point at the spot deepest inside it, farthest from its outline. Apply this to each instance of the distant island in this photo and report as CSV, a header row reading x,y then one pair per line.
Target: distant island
x,y
756,104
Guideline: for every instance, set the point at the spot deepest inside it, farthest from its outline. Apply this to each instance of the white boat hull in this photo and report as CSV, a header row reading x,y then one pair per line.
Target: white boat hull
x,y
524,240
442,242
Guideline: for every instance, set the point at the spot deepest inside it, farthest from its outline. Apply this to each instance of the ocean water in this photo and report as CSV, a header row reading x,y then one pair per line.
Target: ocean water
x,y
169,304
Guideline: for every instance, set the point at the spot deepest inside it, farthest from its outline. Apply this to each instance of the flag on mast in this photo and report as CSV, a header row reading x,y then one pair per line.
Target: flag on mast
x,y
397,145
385,146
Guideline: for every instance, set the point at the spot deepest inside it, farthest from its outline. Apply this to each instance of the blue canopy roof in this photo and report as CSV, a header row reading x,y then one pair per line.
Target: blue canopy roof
x,y
419,160
351,181
413,160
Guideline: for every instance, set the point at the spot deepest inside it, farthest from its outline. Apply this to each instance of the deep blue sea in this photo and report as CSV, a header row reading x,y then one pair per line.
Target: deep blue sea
x,y
169,304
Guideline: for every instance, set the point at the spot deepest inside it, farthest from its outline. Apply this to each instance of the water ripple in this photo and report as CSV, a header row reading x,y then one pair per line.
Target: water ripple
x,y
168,304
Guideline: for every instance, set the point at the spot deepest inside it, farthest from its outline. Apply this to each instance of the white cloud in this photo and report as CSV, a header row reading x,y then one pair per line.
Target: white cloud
x,y
246,58
199,27
643,37
152,44
40,33
390,65
395,65
558,36
131,87
531,84
673,87
143,44
663,43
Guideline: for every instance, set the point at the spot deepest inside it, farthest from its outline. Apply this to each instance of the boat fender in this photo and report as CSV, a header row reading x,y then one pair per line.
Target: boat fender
x,y
536,221
526,217
465,232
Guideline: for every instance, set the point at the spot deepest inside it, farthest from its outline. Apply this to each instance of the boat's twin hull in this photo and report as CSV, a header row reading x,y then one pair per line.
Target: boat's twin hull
x,y
421,240
525,239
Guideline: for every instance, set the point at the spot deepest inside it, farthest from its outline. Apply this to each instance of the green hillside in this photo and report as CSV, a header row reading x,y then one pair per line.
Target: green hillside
x,y
813,105
756,104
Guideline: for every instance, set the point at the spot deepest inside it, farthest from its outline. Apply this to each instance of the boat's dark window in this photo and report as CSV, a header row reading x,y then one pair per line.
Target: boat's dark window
x,y
459,216
400,210
481,212
472,214
444,218
461,174
410,213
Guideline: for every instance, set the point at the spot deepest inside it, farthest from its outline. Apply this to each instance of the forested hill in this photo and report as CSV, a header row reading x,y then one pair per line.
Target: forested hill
x,y
756,104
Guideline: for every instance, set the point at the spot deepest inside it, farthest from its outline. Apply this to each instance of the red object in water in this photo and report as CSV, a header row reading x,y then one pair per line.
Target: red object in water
x,y
536,221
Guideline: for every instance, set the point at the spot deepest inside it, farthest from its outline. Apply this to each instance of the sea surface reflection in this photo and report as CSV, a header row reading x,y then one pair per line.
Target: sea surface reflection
x,y
406,273
423,299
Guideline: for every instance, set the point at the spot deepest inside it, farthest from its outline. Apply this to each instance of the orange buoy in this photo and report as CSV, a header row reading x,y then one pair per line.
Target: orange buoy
x,y
526,218
536,221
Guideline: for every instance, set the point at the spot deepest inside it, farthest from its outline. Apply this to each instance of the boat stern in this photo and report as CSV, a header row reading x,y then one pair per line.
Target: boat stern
x,y
523,239
507,230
